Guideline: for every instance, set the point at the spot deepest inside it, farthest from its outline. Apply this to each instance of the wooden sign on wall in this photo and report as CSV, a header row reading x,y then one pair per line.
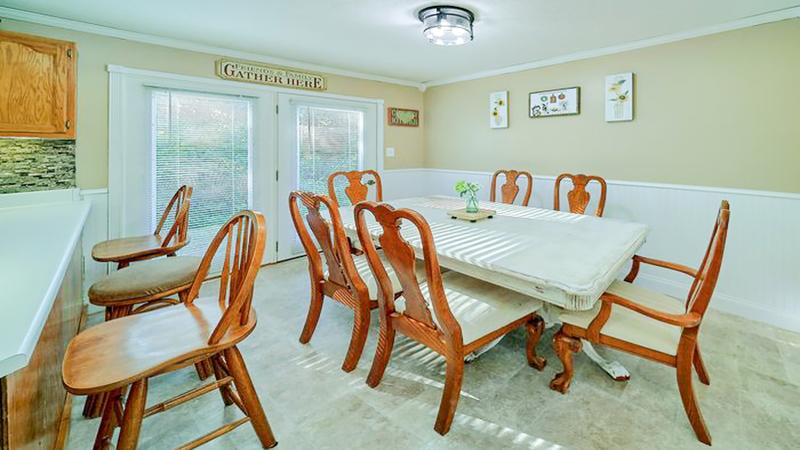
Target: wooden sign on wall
x,y
263,74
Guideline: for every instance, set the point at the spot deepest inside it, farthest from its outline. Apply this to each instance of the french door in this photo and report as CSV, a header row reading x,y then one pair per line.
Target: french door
x,y
318,136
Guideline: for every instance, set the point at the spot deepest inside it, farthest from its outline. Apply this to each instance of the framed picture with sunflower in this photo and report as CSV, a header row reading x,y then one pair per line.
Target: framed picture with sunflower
x,y
619,97
555,102
498,109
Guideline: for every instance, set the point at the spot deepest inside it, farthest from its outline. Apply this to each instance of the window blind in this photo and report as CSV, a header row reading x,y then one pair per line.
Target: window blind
x,y
202,140
328,140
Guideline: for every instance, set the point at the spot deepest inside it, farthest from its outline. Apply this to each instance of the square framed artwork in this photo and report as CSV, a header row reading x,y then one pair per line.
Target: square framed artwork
x,y
619,97
498,109
555,102
400,117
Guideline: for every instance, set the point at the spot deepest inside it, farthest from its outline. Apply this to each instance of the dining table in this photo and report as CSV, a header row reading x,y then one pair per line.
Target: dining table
x,y
566,260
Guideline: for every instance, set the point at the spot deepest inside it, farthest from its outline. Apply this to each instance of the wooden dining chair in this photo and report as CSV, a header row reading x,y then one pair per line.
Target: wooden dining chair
x,y
510,188
578,198
124,354
347,280
357,189
651,325
124,251
452,314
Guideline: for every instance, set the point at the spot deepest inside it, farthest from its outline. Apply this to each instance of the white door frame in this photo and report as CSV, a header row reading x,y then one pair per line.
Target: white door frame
x,y
121,138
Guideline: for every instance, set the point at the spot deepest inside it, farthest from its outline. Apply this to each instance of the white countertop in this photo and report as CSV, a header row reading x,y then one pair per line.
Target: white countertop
x,y
36,243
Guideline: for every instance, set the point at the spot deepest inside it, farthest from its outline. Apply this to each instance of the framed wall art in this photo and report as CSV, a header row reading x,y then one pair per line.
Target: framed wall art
x,y
556,102
400,117
619,97
498,109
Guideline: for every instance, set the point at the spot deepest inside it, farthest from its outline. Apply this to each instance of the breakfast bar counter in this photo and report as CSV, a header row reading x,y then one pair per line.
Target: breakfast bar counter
x,y
40,278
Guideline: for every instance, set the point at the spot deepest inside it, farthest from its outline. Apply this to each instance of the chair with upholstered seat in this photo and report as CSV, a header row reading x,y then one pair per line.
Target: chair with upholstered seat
x,y
124,354
124,251
578,198
357,189
510,188
348,279
452,314
651,325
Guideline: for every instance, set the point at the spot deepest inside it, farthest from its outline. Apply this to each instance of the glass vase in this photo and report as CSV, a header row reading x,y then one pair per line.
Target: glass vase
x,y
472,203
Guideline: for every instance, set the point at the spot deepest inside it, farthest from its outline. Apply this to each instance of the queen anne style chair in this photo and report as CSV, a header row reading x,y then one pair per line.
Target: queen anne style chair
x,y
124,251
452,314
510,188
348,279
651,325
578,198
126,352
356,190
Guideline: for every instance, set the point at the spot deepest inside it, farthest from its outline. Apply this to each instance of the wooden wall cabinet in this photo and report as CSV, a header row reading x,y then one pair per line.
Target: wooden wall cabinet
x,y
37,86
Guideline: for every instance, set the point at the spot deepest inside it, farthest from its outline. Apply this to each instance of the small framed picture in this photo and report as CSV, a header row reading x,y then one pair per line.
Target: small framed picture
x,y
556,102
619,97
498,109
400,117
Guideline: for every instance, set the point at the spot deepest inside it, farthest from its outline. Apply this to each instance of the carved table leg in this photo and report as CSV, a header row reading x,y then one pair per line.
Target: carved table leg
x,y
535,328
565,346
613,368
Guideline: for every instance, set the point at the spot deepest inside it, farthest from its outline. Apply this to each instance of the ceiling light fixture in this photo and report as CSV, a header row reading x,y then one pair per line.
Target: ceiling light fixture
x,y
447,25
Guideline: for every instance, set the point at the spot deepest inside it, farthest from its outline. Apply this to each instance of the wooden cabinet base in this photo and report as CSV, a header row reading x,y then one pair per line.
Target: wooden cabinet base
x,y
32,399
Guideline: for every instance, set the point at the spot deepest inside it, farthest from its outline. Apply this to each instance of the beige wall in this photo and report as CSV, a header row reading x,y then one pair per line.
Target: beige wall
x,y
95,52
720,110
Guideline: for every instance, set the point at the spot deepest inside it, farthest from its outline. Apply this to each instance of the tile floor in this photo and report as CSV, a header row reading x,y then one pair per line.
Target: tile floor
x,y
753,400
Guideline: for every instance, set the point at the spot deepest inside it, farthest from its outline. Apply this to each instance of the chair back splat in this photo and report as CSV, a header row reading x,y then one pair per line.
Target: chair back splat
x,y
510,188
243,237
400,255
578,198
356,190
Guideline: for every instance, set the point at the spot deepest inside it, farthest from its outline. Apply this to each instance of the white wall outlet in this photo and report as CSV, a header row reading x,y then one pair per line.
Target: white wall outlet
x,y
390,152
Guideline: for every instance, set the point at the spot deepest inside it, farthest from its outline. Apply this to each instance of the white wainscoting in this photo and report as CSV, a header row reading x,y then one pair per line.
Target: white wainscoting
x,y
760,274
95,230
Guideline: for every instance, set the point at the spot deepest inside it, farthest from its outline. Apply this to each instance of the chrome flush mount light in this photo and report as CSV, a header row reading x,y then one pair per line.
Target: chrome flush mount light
x,y
447,25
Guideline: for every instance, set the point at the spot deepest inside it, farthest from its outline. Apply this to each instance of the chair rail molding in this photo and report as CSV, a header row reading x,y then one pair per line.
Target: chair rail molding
x,y
759,275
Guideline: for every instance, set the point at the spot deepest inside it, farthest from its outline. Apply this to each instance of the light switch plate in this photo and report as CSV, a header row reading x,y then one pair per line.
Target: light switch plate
x,y
390,152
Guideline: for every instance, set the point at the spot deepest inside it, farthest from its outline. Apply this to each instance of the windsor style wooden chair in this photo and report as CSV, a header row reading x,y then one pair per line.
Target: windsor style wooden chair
x,y
578,198
357,189
124,251
651,325
510,188
347,280
453,314
125,353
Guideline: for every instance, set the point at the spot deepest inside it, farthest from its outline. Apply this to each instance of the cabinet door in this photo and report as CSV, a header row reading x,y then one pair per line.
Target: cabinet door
x,y
37,86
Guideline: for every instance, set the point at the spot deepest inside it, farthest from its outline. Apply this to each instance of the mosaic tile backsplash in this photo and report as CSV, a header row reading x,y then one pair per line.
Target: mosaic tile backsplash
x,y
36,164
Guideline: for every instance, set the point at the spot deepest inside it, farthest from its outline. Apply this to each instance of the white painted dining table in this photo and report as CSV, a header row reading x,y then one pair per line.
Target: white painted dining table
x,y
566,260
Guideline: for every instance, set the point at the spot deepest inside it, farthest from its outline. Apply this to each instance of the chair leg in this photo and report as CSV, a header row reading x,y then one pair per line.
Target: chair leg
x,y
564,346
535,328
105,432
219,373
382,354
244,385
203,369
132,418
358,339
684,374
450,394
700,367
314,310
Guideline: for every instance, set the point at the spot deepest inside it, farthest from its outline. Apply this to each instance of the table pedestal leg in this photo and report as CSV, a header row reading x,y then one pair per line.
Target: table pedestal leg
x,y
613,368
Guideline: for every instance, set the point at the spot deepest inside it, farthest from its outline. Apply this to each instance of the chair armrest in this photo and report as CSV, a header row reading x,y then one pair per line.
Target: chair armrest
x,y
686,320
637,260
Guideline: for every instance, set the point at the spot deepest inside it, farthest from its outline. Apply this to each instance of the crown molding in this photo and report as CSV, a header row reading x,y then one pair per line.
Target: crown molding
x,y
773,16
52,21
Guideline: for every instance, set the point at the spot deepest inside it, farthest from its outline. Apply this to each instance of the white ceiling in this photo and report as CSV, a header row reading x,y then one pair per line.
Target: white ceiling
x,y
384,37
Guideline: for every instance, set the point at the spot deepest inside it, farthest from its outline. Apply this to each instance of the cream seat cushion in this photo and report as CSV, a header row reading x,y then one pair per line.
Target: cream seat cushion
x,y
362,266
144,279
631,326
478,306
